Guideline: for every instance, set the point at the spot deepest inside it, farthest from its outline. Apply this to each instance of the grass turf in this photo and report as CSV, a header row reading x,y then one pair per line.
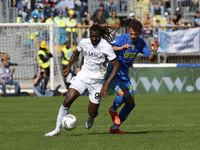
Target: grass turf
x,y
158,122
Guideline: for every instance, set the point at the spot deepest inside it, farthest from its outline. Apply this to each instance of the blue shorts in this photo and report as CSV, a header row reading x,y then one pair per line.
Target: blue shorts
x,y
117,84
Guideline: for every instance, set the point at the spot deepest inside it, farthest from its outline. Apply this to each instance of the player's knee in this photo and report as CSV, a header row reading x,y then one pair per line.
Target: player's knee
x,y
70,97
130,100
68,101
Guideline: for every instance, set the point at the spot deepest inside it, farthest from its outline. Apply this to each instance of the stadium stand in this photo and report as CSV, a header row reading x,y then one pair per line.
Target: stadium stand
x,y
13,39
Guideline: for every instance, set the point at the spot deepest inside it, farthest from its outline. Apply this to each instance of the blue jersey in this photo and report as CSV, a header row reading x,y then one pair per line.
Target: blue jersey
x,y
126,57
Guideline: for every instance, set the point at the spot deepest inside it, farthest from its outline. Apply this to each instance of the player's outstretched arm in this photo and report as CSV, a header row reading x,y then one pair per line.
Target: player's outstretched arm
x,y
124,47
155,45
104,90
71,62
4,55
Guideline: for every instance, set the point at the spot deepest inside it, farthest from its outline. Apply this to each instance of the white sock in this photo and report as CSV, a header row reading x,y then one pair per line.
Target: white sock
x,y
62,112
115,127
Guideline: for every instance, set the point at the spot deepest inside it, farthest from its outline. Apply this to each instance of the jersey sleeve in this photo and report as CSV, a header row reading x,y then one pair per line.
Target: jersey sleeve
x,y
79,47
117,41
145,50
110,53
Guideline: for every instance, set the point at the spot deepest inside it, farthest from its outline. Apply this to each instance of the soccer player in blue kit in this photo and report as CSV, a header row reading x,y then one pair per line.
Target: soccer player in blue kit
x,y
126,47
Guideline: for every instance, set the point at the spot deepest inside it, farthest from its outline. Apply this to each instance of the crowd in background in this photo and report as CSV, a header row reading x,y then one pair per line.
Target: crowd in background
x,y
46,8
72,13
67,14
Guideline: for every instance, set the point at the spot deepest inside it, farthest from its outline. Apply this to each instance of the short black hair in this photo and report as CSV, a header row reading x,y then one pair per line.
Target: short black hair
x,y
95,27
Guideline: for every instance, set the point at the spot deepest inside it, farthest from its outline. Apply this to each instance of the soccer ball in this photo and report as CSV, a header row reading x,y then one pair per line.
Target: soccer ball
x,y
69,122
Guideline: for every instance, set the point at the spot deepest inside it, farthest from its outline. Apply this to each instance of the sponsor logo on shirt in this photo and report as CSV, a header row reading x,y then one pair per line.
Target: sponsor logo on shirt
x,y
92,54
130,55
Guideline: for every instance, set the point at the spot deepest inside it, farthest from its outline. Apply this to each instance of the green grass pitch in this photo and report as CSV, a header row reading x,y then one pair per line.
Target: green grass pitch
x,y
158,122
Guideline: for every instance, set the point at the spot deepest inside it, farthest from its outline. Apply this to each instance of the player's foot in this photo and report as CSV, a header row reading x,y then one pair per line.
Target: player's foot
x,y
116,131
115,117
89,124
53,133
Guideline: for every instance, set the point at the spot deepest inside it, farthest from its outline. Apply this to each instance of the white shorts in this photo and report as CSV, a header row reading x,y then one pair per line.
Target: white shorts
x,y
81,82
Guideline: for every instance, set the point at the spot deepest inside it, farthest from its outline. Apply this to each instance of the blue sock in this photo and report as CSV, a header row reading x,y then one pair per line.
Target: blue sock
x,y
125,112
119,100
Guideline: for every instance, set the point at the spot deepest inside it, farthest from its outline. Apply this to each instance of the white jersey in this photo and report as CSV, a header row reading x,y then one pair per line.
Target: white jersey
x,y
95,56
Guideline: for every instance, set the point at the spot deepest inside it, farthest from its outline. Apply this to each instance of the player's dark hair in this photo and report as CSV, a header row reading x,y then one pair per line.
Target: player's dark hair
x,y
135,25
106,33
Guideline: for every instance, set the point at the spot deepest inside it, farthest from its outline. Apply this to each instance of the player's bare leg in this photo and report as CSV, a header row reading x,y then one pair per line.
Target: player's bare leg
x,y
72,94
93,112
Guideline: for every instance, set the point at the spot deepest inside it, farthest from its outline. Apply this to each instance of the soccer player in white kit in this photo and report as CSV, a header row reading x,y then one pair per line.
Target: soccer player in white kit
x,y
96,50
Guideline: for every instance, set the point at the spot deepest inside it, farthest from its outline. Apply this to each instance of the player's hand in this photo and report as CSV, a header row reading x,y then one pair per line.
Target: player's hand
x,y
155,45
126,46
104,91
66,71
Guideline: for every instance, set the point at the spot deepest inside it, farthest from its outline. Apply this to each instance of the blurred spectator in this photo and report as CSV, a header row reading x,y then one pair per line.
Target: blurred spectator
x,y
71,22
40,84
111,6
155,5
51,18
105,13
147,31
45,35
186,25
44,58
131,17
197,19
6,77
21,10
147,21
61,32
194,4
52,3
47,10
100,19
34,19
156,27
114,20
166,4
169,25
70,4
84,6
176,21
123,5
40,14
31,34
61,6
66,55
88,22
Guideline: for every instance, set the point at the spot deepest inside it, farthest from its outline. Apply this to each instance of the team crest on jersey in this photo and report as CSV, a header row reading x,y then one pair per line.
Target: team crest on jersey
x,y
113,42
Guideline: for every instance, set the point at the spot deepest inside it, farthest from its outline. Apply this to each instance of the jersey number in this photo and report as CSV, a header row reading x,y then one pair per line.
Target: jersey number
x,y
97,96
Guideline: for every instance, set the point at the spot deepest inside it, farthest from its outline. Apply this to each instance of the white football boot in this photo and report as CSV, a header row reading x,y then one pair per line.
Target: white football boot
x,y
53,133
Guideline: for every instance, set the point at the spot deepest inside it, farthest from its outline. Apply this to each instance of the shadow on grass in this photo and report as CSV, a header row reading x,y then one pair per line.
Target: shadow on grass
x,y
138,132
